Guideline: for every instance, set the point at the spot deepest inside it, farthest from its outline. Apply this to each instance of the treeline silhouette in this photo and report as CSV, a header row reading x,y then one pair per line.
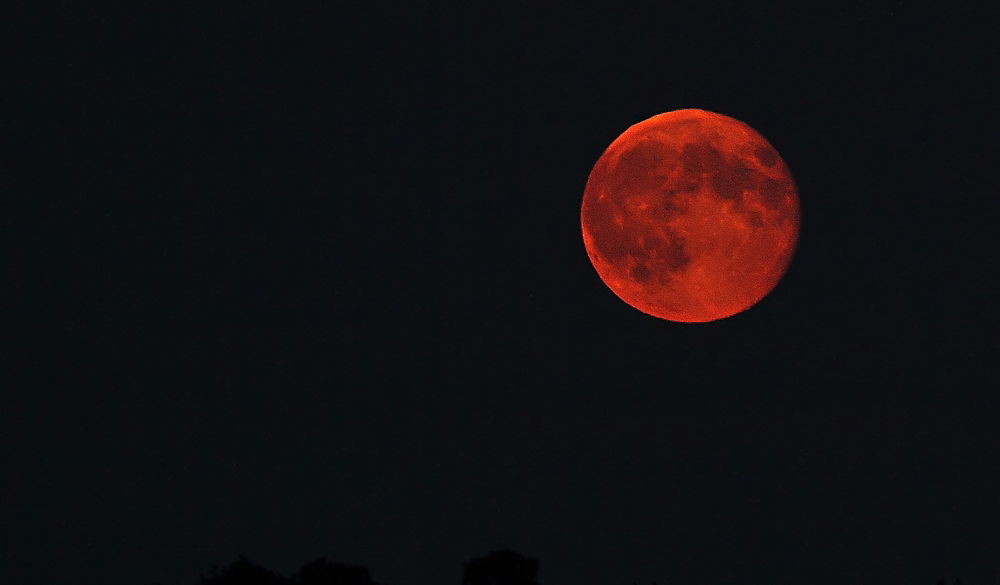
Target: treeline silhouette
x,y
500,567
319,572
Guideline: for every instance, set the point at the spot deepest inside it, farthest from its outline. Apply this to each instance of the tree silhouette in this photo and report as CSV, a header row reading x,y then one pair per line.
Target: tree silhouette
x,y
323,572
502,567
319,572
243,572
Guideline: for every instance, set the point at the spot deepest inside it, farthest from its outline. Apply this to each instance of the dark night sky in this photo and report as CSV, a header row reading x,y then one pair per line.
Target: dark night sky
x,y
297,282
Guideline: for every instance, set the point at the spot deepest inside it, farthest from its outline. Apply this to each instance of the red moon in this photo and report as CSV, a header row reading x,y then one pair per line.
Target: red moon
x,y
690,216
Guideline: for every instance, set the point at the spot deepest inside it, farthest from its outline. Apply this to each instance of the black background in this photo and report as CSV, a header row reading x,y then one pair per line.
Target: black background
x,y
292,282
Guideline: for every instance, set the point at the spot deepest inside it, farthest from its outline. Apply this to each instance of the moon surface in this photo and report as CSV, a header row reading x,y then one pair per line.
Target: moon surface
x,y
690,216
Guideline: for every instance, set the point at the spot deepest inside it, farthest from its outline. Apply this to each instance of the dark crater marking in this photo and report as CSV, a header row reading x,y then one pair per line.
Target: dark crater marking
x,y
699,157
767,156
730,181
635,172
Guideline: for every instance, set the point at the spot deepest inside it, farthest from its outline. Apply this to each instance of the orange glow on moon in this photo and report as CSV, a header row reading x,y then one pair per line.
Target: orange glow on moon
x,y
690,216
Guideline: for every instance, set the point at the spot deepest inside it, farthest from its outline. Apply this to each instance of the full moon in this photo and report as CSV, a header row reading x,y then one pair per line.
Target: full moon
x,y
690,216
